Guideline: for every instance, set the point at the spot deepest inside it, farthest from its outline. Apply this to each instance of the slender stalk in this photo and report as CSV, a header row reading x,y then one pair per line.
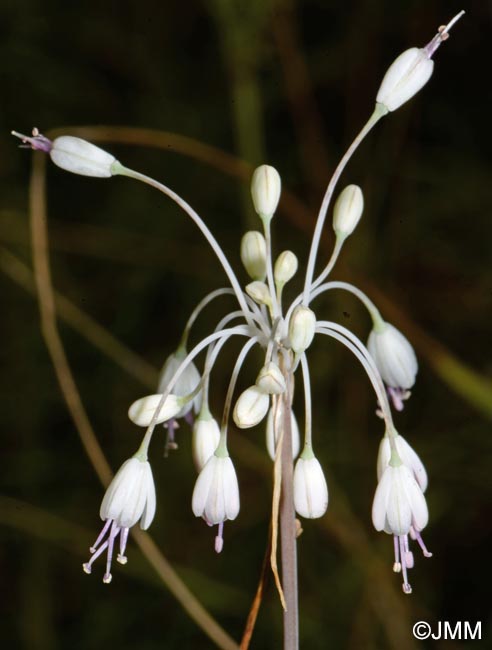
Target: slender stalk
x,y
378,113
288,521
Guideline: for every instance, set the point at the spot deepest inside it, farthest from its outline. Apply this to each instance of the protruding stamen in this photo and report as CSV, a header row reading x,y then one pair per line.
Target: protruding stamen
x,y
406,585
122,559
112,536
417,536
171,444
219,540
441,36
101,536
36,141
398,396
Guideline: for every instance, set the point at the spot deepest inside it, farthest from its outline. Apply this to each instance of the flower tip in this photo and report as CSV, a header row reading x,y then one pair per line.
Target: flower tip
x,y
397,567
107,578
87,567
122,559
407,588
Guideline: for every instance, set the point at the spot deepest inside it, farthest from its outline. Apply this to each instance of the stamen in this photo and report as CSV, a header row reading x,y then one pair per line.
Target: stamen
x,y
101,535
397,564
171,444
407,589
219,540
112,536
88,565
409,561
121,558
416,535
36,141
441,36
398,396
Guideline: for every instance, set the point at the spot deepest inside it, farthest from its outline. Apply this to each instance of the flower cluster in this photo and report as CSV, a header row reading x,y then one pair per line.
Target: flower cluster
x,y
285,335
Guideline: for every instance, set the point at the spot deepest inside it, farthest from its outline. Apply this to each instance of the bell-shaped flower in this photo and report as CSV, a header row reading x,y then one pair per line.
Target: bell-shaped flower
x,y
129,498
399,508
407,454
251,407
274,425
73,154
206,436
395,359
142,411
310,488
216,492
186,382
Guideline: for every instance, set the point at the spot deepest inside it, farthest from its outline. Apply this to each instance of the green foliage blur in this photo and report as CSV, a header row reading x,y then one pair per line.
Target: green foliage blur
x,y
288,83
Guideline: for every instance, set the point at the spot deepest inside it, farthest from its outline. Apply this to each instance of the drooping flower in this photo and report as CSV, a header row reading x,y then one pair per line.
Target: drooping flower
x,y
310,488
251,407
395,359
216,492
399,508
408,455
130,497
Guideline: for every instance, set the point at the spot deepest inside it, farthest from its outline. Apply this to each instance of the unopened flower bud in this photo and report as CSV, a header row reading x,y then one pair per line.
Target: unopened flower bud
x,y
259,292
251,407
253,254
142,411
265,190
301,328
206,436
270,379
348,210
73,154
310,488
285,267
274,427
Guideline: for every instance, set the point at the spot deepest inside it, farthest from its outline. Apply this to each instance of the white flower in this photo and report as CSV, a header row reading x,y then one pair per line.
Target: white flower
x,y
253,254
393,355
142,410
130,497
265,190
186,383
272,430
216,492
407,455
399,508
251,407
399,503
259,292
405,77
310,488
302,326
348,210
206,436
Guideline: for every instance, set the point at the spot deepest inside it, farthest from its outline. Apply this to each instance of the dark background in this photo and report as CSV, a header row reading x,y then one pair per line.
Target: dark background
x,y
289,83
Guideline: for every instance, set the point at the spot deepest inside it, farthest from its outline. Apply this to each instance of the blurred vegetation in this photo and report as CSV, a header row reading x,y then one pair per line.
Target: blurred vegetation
x,y
289,83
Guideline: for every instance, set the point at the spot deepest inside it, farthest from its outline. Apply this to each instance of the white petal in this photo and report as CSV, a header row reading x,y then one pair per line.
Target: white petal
x,y
412,460
186,384
81,157
202,487
381,497
150,504
114,489
231,490
271,438
399,511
